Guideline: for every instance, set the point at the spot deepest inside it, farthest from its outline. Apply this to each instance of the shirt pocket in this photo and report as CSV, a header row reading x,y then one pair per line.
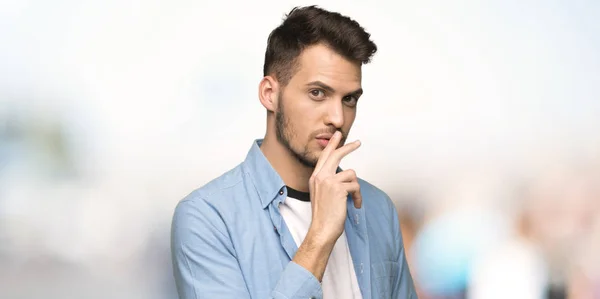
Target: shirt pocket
x,y
384,275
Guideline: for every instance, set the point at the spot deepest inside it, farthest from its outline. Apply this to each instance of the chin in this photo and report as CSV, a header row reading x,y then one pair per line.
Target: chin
x,y
314,157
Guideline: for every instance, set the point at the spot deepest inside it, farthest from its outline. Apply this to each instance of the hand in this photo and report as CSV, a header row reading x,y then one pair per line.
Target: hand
x,y
329,191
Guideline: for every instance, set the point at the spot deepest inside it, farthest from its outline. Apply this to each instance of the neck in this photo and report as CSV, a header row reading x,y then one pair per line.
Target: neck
x,y
293,173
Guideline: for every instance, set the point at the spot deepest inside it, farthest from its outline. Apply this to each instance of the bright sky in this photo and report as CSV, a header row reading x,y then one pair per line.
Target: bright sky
x,y
167,86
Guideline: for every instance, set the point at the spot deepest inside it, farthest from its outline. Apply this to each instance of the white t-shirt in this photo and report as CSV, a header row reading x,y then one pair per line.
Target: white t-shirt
x,y
339,279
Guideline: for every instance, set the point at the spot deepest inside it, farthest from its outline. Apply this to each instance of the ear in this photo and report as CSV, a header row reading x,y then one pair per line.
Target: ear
x,y
268,92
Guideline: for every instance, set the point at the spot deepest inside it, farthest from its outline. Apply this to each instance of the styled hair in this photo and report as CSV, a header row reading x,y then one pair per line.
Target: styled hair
x,y
307,26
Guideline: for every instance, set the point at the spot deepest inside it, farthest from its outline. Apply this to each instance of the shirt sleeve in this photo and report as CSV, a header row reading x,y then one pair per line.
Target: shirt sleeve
x,y
404,287
297,282
205,264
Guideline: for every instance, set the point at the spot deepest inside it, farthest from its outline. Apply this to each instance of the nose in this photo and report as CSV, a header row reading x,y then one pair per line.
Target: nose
x,y
335,114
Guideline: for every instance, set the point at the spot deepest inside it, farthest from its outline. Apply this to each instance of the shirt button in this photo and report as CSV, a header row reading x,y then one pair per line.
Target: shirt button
x,y
281,192
356,218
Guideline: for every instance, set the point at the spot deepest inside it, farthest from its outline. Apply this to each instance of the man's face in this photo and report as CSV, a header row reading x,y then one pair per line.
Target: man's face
x,y
318,100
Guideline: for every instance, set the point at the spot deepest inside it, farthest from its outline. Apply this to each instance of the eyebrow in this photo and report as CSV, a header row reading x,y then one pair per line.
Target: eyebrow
x,y
330,89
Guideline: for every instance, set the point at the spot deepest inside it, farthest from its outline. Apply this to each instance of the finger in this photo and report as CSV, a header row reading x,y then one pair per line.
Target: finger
x,y
354,190
331,146
334,159
346,176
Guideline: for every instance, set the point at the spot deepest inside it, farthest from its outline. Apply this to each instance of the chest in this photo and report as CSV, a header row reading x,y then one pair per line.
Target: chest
x,y
265,244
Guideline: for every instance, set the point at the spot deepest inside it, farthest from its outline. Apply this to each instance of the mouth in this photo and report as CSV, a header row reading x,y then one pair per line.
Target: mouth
x,y
323,142
323,139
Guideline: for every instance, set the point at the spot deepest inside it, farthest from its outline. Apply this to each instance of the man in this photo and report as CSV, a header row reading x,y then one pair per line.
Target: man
x,y
288,222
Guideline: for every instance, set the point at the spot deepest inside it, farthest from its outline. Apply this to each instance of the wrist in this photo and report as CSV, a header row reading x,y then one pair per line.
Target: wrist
x,y
320,239
314,253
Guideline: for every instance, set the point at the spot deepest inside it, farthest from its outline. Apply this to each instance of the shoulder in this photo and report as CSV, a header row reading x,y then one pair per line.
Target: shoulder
x,y
207,202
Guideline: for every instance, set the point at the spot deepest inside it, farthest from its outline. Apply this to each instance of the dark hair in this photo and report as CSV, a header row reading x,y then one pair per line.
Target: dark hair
x,y
307,26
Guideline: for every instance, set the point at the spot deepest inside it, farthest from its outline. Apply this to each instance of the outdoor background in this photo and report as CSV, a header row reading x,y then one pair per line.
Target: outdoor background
x,y
480,119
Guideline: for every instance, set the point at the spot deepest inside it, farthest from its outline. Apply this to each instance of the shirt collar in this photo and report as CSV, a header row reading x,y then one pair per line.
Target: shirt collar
x,y
266,180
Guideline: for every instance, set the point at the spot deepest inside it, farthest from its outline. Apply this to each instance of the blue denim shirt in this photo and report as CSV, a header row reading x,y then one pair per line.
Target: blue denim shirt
x,y
228,240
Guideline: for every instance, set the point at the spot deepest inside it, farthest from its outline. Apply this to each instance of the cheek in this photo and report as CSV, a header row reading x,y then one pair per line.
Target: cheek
x,y
349,117
299,119
306,115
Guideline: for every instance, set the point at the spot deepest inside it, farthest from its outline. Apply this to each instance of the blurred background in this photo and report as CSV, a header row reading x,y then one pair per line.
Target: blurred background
x,y
480,119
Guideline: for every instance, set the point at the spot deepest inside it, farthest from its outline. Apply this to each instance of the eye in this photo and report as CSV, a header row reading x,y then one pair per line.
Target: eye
x,y
317,93
350,101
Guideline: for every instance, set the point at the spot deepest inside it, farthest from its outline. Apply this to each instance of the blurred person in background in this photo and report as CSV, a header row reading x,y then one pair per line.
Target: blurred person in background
x,y
410,211
584,280
549,255
288,222
461,223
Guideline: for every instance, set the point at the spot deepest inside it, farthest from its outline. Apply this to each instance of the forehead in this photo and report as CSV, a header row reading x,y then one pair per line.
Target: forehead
x,y
320,63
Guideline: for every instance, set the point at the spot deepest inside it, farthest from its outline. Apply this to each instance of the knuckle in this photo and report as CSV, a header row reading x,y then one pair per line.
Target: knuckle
x,y
352,172
318,179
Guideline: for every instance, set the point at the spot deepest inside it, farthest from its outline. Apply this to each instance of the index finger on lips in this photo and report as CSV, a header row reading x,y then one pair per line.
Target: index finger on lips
x,y
334,159
331,146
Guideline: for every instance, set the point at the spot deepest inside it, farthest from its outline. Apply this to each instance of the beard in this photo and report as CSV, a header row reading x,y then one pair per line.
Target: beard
x,y
286,133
